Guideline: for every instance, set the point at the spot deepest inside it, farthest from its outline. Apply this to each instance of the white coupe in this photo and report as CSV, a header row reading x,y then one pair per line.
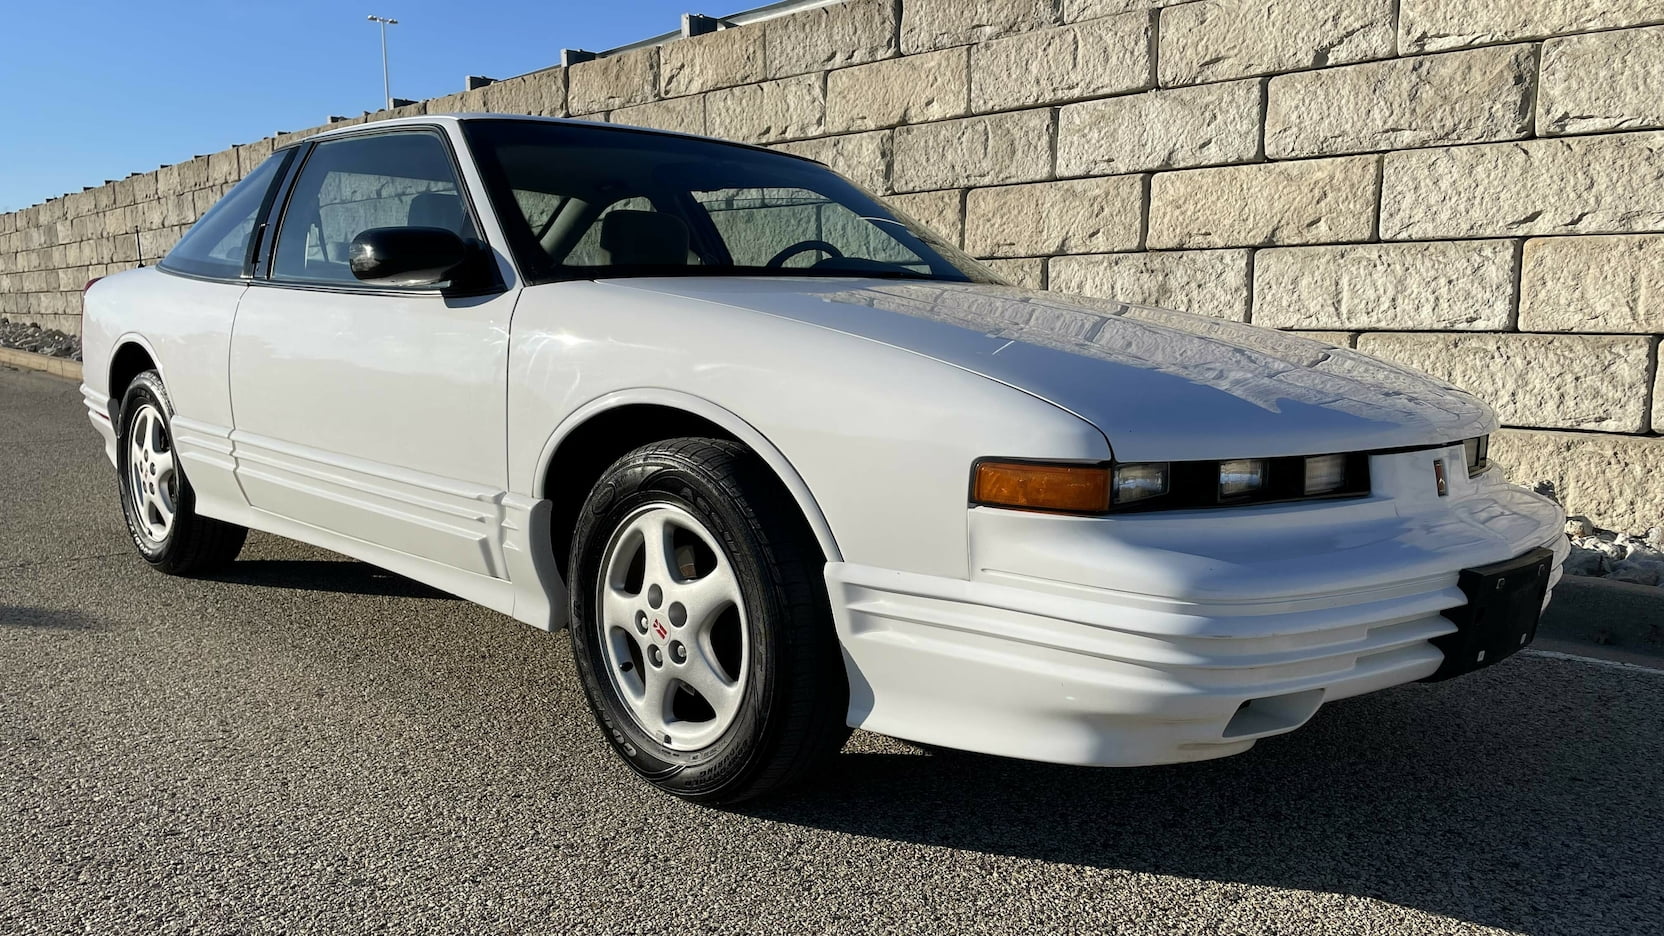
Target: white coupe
x,y
786,463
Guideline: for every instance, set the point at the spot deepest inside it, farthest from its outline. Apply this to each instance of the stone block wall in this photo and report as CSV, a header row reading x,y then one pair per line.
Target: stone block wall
x,y
1474,188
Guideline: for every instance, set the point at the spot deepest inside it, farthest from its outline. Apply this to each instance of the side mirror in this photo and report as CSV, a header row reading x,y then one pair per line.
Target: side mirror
x,y
407,256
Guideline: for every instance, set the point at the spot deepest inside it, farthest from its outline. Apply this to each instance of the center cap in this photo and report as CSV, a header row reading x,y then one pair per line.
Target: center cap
x,y
659,630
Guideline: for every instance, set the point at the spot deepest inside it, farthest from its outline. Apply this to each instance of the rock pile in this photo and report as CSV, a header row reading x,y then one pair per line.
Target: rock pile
x,y
27,337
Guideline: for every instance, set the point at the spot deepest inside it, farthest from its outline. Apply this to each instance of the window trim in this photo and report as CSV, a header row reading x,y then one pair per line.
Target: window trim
x,y
494,286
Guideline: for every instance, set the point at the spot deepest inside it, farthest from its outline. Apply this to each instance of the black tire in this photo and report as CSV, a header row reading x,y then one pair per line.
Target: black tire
x,y
791,714
193,544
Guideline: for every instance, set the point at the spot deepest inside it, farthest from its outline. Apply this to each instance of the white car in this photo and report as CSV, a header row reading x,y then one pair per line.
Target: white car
x,y
787,463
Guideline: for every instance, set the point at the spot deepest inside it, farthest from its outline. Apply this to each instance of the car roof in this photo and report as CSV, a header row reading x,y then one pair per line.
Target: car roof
x,y
430,119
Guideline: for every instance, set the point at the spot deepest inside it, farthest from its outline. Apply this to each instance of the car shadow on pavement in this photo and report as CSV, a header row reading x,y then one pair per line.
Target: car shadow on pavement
x,y
341,576
12,616
1471,799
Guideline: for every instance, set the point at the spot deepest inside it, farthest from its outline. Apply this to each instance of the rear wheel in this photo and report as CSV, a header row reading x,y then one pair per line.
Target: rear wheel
x,y
700,623
156,498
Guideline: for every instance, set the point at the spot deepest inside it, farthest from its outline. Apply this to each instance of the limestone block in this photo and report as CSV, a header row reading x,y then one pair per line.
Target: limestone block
x,y
462,102
683,114
1090,59
1582,185
1307,202
864,158
542,93
1544,381
1077,216
850,33
1076,10
222,167
74,205
1444,285
1002,148
937,24
144,187
790,108
721,59
249,156
1425,25
1611,284
1207,282
942,212
610,83
914,89
1658,396
1477,96
1028,272
1214,40
1603,81
1164,129
1611,479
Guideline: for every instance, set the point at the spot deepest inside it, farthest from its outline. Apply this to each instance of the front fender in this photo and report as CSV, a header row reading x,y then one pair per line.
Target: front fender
x,y
878,440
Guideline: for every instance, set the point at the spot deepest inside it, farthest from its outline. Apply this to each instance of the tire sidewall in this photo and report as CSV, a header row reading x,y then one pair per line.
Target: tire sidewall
x,y
148,388
651,479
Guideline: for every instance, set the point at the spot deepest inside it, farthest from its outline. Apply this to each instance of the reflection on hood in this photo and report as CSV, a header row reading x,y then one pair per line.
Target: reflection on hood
x,y
1259,365
1162,385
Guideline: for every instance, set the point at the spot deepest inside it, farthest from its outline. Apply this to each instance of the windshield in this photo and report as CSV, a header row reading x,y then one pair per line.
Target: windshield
x,y
585,202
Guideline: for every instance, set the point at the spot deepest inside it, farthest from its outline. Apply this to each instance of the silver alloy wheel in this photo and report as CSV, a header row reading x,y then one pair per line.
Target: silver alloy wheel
x,y
673,627
152,474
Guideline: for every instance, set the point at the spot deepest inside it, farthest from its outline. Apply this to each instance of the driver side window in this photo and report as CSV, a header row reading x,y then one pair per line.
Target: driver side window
x,y
350,185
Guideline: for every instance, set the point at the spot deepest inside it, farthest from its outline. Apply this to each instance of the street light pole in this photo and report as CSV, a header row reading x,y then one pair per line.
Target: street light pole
x,y
386,87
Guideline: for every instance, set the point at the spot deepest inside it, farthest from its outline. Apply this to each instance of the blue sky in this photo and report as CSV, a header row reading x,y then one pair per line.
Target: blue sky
x,y
95,90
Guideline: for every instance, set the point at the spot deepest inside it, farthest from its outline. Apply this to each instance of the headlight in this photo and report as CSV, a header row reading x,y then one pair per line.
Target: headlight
x,y
1141,481
1240,477
1324,474
1479,454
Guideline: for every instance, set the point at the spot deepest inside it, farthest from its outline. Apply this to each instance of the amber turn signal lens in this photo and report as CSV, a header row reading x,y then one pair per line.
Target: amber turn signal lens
x,y
1031,486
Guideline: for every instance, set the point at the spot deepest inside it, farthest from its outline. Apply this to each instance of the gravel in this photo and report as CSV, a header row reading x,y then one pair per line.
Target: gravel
x,y
1621,557
23,336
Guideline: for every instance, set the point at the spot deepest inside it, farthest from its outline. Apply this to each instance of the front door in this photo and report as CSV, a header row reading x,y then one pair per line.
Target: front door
x,y
374,412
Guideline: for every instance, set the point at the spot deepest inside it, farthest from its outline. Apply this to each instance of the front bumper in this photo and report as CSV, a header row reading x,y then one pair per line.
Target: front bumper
x,y
1166,638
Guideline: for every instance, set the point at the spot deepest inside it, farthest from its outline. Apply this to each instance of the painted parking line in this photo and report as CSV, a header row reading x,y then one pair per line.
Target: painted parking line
x,y
1614,664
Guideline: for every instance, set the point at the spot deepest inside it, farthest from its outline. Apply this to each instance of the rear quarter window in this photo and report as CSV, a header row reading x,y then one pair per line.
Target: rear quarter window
x,y
218,244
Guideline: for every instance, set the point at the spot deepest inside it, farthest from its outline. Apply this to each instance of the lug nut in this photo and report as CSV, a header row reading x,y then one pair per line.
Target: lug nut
x,y
655,655
678,653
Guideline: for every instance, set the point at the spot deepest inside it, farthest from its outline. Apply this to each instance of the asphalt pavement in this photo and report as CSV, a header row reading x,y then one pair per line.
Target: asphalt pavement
x,y
312,745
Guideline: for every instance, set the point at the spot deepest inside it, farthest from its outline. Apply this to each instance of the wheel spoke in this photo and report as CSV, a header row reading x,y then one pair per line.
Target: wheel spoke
x,y
705,598
656,549
702,672
618,608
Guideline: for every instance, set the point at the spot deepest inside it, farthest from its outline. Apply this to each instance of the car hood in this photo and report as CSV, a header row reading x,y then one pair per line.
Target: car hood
x,y
1161,385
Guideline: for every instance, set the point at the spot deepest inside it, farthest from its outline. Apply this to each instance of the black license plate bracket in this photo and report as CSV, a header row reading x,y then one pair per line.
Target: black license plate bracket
x,y
1505,602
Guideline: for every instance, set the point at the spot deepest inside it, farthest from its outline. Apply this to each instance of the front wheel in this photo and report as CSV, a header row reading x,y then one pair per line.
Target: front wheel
x,y
700,623
156,499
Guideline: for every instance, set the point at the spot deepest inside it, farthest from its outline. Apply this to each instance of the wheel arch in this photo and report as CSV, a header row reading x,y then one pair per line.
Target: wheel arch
x,y
132,356
599,432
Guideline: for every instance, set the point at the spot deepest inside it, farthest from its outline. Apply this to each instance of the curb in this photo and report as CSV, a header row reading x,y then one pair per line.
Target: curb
x,y
45,363
1606,613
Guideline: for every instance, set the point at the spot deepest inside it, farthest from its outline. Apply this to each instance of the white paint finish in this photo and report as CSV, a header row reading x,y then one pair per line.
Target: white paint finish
x,y
1162,385
184,325
882,438
415,432
1135,640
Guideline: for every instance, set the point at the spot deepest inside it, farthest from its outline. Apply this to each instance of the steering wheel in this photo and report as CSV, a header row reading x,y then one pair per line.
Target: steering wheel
x,y
802,246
